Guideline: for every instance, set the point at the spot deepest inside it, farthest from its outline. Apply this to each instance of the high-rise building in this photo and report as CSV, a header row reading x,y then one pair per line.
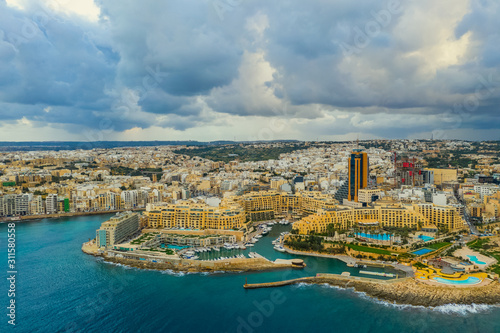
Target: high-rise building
x,y
22,203
358,173
117,229
409,172
51,204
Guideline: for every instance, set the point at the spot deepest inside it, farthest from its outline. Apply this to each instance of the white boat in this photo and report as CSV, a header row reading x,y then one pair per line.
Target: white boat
x,y
228,246
258,236
217,248
249,245
279,248
243,247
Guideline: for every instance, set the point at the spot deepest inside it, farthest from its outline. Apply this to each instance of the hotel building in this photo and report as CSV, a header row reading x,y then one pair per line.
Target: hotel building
x,y
117,229
195,216
358,173
416,216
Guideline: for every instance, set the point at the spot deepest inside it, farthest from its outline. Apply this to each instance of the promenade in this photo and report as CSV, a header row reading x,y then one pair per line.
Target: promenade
x,y
68,214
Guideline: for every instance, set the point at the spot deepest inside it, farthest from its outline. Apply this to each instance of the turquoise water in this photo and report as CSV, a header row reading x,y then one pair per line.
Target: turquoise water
x,y
425,238
60,289
175,247
476,261
380,237
470,280
422,251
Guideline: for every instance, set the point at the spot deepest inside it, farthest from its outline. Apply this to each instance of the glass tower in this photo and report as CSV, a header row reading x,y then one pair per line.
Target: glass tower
x,y
358,173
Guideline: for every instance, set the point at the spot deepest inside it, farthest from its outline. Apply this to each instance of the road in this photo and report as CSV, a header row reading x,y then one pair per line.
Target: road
x,y
472,227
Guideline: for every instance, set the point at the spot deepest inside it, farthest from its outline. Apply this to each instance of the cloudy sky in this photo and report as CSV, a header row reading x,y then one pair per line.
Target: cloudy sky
x,y
249,69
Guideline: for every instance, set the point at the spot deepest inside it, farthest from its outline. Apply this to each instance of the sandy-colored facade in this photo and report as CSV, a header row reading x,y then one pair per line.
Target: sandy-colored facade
x,y
196,216
396,215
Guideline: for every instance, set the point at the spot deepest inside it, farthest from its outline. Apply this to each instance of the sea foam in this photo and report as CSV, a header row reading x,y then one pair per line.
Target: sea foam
x,y
450,309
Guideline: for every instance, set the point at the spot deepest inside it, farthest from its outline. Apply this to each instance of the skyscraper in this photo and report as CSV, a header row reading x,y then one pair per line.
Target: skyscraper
x,y
358,173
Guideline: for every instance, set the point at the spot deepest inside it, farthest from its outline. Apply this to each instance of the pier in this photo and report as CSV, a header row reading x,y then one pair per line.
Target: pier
x,y
378,273
277,283
324,278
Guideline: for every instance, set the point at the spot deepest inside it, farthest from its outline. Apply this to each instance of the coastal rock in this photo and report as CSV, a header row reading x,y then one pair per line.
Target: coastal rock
x,y
411,292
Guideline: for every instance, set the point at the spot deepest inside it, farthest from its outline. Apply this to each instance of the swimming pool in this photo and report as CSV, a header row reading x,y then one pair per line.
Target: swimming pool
x,y
422,251
469,281
176,247
425,238
377,237
476,261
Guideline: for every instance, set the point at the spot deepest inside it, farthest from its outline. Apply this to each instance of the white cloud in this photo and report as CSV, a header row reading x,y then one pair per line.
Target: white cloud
x,y
82,8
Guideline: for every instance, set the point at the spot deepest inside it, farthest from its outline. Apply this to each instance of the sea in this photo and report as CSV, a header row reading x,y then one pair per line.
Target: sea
x,y
58,288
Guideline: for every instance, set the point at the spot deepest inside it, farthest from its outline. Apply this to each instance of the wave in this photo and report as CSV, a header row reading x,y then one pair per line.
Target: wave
x,y
173,273
117,264
464,309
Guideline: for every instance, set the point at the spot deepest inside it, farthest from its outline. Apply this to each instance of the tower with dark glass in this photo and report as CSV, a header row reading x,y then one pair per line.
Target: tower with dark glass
x,y
358,173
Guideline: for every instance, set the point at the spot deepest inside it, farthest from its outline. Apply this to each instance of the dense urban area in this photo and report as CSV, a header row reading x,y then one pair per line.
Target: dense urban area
x,y
432,205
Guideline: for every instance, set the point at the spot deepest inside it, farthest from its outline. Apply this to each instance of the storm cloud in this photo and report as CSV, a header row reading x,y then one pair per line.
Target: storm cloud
x,y
221,69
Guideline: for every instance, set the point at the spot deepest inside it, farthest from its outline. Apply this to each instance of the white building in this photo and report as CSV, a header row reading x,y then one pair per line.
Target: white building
x,y
51,204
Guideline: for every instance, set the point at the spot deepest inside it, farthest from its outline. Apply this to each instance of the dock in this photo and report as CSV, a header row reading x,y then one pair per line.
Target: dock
x,y
277,283
378,274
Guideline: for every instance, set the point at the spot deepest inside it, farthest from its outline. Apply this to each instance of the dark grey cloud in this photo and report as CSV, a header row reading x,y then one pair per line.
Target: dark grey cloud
x,y
184,64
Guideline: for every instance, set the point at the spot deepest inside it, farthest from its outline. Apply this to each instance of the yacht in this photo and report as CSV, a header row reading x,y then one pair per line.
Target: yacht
x,y
279,248
217,248
228,246
248,244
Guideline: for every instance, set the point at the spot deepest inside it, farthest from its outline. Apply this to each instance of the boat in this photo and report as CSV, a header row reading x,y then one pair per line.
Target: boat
x,y
258,236
243,247
217,249
249,245
279,248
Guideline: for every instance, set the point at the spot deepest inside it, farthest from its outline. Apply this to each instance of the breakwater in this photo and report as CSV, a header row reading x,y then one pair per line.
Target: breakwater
x,y
401,291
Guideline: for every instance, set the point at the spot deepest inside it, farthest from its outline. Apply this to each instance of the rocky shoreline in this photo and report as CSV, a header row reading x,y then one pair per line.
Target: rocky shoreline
x,y
246,265
407,291
412,292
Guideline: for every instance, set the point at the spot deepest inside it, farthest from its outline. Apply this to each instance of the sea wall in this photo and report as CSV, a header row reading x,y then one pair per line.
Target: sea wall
x,y
184,265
